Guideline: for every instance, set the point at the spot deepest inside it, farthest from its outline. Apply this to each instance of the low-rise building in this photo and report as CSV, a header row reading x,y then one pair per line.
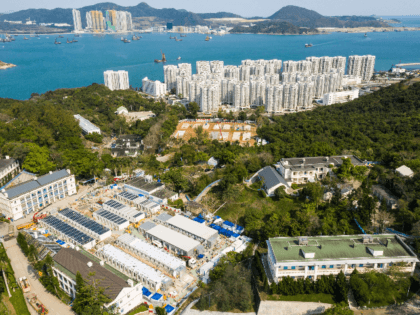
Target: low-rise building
x,y
86,126
384,195
404,171
161,196
271,180
127,145
35,194
121,110
340,97
143,186
303,170
311,257
123,292
8,169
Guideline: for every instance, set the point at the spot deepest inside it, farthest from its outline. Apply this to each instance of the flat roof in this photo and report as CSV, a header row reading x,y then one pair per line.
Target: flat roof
x,y
173,238
342,247
307,163
143,184
190,226
164,193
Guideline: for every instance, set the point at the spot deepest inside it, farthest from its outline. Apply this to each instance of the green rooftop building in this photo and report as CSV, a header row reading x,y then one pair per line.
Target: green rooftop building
x,y
304,256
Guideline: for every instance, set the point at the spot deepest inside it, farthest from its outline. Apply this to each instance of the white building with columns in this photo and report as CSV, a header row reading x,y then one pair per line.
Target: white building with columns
x,y
340,97
36,194
311,257
116,80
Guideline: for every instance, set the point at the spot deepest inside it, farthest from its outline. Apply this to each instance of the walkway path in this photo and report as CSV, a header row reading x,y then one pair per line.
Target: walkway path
x,y
206,190
23,269
352,301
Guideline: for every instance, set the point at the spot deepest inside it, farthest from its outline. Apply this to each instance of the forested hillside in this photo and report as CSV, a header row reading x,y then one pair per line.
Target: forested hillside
x,y
43,134
273,27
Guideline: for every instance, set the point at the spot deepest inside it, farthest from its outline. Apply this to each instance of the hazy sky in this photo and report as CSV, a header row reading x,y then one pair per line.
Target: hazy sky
x,y
242,7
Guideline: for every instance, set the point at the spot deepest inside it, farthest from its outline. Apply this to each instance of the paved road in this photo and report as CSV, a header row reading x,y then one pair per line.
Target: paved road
x,y
23,269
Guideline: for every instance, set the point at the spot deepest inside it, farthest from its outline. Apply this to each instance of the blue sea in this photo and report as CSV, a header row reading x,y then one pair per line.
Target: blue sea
x,y
43,66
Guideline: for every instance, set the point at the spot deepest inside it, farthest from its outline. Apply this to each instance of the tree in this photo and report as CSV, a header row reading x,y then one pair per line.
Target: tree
x,y
37,160
160,311
242,116
280,192
193,109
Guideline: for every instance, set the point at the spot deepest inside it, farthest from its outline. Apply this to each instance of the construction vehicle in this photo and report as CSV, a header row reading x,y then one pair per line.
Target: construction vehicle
x,y
37,305
25,225
40,217
24,284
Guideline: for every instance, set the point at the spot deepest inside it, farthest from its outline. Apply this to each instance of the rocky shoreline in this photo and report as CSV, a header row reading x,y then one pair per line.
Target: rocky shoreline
x,y
4,65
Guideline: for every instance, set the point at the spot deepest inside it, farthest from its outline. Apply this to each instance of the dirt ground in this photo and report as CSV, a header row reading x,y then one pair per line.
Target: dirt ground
x,y
224,131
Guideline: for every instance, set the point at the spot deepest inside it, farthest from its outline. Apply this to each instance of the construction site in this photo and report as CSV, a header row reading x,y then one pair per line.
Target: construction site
x,y
166,250
217,129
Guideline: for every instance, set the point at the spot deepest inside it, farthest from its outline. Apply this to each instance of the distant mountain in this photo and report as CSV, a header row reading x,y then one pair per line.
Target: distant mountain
x,y
308,18
218,15
273,27
177,17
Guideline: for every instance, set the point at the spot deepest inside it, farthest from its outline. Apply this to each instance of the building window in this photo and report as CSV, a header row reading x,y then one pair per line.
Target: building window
x,y
361,265
285,267
293,267
324,267
310,277
381,265
353,266
331,266
390,264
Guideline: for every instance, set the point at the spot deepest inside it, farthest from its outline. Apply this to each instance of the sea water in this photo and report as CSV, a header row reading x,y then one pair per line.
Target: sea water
x,y
43,66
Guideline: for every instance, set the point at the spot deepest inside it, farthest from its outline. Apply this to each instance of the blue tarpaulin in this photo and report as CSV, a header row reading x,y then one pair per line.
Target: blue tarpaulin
x,y
199,220
200,256
217,217
169,309
229,223
239,228
146,292
156,296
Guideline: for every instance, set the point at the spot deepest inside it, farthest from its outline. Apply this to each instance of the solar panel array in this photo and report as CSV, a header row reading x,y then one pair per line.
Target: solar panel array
x,y
67,230
114,204
110,216
76,217
127,195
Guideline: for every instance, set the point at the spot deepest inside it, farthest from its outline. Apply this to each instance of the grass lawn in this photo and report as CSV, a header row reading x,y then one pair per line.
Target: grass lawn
x,y
250,199
139,309
320,297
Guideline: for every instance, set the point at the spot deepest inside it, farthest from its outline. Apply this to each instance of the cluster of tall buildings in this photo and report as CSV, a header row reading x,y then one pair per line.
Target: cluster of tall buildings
x,y
115,21
279,86
116,80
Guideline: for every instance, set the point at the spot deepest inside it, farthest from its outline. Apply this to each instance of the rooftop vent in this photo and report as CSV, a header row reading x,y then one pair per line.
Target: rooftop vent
x,y
303,240
89,264
327,158
308,255
7,157
367,239
130,282
50,172
102,263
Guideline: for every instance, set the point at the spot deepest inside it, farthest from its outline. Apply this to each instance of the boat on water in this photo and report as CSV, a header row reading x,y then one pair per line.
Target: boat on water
x,y
60,36
308,45
76,35
75,40
127,41
172,37
179,58
182,35
163,58
69,41
24,37
207,39
365,35
122,39
178,39
57,43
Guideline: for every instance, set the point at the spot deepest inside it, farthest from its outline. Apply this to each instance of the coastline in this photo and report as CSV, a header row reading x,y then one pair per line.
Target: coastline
x,y
4,65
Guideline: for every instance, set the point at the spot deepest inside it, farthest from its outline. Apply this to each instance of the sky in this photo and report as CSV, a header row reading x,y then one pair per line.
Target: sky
x,y
246,8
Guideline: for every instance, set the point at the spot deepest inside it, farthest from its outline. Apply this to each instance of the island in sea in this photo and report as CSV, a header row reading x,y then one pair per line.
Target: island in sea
x,y
4,65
